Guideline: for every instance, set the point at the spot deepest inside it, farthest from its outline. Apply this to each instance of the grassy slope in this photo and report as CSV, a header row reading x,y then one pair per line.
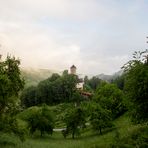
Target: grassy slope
x,y
88,138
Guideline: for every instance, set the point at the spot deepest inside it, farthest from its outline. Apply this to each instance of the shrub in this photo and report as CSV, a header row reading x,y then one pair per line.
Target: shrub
x,y
136,137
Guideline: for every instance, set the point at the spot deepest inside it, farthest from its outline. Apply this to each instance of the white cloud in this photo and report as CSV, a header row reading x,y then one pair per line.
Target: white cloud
x,y
37,48
57,9
97,36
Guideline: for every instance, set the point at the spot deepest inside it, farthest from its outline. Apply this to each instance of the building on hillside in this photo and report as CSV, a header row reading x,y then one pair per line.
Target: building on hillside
x,y
80,82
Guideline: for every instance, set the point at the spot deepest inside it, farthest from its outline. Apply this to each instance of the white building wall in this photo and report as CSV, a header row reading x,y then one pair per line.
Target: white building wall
x,y
80,85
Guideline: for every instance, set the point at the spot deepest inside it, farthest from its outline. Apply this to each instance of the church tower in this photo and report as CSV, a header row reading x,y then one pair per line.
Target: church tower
x,y
73,69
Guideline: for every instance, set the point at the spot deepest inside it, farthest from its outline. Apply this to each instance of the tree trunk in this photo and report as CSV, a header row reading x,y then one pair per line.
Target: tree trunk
x,y
73,135
100,130
41,133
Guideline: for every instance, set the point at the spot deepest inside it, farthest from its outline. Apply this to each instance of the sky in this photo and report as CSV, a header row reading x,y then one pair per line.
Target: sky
x,y
97,36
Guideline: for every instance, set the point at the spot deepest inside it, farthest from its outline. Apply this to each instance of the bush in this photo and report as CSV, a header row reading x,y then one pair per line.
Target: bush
x,y
12,126
136,137
7,139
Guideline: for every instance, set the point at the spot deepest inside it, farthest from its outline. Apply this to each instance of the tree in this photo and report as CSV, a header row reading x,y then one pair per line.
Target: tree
x,y
93,82
86,79
54,77
69,86
136,86
119,81
75,120
111,98
65,73
42,120
44,93
11,83
28,97
77,98
54,90
100,118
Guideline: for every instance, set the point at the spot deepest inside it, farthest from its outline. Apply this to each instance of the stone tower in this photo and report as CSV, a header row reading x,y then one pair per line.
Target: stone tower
x,y
73,69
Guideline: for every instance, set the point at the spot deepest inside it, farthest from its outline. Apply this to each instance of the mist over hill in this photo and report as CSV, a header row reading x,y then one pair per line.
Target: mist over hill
x,y
33,76
108,78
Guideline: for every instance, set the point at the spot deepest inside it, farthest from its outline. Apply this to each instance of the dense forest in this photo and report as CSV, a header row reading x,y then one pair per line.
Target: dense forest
x,y
53,111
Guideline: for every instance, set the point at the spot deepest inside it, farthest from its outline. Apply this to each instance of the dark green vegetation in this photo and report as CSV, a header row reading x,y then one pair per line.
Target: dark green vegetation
x,y
75,121
114,116
11,84
54,90
136,86
41,120
110,97
100,118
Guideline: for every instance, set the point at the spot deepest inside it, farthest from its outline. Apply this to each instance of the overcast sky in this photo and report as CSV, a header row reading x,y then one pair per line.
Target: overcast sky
x,y
98,36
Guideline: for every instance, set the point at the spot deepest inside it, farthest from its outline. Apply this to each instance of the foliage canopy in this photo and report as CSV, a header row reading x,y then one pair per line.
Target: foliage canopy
x,y
136,85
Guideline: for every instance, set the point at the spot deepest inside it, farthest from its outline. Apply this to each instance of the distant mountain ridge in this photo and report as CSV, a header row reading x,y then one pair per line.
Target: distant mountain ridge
x,y
110,77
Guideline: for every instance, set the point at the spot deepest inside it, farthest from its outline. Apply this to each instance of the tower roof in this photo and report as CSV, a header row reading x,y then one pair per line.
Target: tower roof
x,y
73,66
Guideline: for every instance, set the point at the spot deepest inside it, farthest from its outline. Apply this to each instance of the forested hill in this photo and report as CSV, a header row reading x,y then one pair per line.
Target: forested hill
x,y
109,78
34,76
